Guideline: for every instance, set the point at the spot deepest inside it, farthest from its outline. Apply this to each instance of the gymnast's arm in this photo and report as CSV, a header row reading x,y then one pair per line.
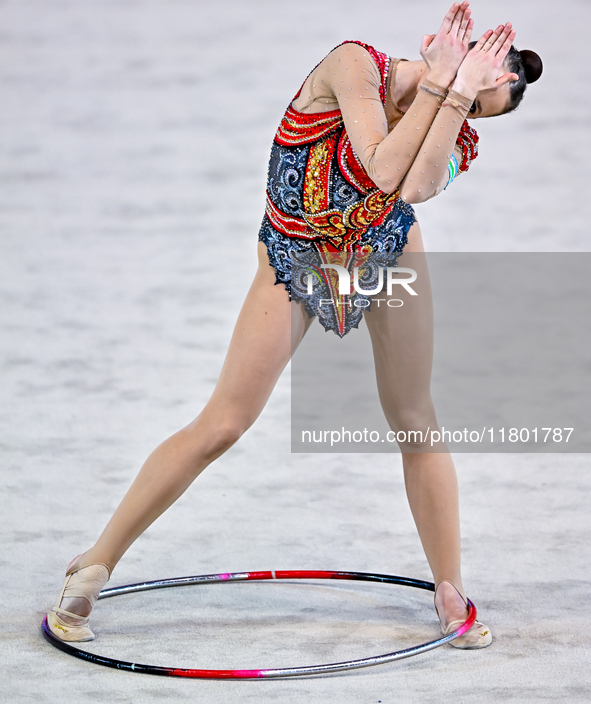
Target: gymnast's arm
x,y
350,76
440,158
478,72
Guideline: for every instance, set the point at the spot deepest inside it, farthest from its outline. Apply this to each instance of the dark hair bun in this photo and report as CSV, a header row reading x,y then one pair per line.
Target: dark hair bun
x,y
532,65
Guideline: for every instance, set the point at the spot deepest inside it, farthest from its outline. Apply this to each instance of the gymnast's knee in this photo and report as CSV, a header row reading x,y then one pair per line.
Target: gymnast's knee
x,y
208,440
412,427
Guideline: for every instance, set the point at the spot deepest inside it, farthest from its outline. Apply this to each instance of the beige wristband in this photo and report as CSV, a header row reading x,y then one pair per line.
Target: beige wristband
x,y
459,101
432,88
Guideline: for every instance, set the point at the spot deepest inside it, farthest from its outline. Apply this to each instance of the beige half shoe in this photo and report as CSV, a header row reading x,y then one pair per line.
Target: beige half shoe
x,y
85,582
477,636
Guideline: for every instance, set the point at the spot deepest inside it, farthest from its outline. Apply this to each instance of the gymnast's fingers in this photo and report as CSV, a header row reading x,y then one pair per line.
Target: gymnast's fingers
x,y
482,41
468,35
459,18
493,38
501,44
464,26
448,19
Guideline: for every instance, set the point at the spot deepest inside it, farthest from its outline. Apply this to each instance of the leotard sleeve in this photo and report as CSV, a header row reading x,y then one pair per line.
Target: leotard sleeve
x,y
430,188
440,159
349,79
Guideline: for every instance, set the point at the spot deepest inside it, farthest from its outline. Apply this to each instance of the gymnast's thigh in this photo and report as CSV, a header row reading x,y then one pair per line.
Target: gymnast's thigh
x,y
401,331
268,328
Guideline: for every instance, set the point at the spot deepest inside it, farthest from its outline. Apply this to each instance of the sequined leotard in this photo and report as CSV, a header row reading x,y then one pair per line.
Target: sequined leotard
x,y
329,186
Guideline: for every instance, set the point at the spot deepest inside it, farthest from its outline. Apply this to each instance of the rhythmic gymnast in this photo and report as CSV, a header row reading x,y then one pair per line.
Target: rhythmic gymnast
x,y
366,137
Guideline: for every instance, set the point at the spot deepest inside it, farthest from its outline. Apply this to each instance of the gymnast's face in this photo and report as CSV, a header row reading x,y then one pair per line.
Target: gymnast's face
x,y
489,103
492,102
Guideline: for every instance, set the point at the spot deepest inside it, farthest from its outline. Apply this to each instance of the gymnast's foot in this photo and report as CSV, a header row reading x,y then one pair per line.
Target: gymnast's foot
x,y
452,610
68,620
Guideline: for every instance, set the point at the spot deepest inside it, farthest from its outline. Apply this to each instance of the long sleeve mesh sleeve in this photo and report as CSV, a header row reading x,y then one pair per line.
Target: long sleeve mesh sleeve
x,y
414,155
349,76
449,136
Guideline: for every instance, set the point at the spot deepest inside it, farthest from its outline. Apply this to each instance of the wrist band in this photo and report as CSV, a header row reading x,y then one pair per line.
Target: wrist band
x,y
459,101
433,89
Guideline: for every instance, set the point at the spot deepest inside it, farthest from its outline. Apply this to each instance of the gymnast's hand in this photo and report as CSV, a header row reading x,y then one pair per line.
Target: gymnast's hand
x,y
444,52
481,67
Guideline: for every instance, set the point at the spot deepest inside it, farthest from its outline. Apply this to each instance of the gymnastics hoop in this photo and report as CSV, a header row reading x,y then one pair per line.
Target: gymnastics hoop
x,y
261,674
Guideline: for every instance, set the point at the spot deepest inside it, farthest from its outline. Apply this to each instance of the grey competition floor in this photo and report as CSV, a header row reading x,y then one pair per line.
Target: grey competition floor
x,y
134,141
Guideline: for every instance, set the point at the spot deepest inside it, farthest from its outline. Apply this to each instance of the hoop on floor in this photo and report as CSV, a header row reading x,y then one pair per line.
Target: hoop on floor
x,y
269,673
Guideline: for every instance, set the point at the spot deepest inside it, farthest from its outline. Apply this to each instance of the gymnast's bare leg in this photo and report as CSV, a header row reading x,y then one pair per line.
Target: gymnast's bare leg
x,y
403,352
260,347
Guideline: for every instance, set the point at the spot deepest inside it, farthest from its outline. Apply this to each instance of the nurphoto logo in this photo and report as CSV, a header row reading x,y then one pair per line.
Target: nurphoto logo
x,y
345,280
344,276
